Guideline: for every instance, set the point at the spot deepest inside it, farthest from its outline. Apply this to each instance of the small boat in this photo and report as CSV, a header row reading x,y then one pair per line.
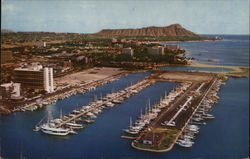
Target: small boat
x,y
132,132
109,104
208,116
91,115
132,129
116,101
198,123
76,111
185,143
167,123
74,125
192,128
197,119
89,121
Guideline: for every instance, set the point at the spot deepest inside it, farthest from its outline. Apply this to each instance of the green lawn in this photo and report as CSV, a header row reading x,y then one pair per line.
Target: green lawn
x,y
170,135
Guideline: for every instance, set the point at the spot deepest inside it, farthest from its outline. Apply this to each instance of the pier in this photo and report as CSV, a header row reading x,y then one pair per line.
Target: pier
x,y
121,94
173,118
38,102
108,101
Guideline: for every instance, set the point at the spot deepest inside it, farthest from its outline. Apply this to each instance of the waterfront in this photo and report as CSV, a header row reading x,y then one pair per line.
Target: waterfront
x,y
233,50
106,131
224,137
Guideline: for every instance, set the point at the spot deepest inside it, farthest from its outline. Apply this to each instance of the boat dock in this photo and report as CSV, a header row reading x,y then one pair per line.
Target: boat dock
x,y
128,137
96,107
176,118
41,101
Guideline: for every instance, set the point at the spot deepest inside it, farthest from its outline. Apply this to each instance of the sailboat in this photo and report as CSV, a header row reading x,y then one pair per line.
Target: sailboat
x,y
51,129
131,130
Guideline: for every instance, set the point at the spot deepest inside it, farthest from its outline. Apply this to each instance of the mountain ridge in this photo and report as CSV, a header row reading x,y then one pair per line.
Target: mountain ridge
x,y
151,31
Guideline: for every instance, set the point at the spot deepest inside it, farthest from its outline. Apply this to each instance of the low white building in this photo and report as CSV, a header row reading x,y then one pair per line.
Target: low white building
x,y
159,50
172,46
10,90
128,51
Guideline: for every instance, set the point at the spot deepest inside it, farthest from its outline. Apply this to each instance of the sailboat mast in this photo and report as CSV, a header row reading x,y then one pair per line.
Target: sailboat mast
x,y
141,113
130,124
61,114
149,107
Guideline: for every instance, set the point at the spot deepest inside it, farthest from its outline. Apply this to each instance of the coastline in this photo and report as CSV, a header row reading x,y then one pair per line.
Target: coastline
x,y
237,71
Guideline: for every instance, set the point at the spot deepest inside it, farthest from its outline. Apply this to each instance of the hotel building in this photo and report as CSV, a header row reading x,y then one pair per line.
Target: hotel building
x,y
35,77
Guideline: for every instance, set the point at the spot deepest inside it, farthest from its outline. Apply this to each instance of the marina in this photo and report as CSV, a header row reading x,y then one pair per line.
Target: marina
x,y
98,139
172,123
130,107
65,92
92,109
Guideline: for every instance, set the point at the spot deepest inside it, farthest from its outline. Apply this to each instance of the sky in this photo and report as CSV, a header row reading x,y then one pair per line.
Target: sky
x,y
90,16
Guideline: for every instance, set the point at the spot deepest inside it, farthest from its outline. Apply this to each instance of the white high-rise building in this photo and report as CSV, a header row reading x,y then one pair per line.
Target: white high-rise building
x,y
48,79
35,77
44,44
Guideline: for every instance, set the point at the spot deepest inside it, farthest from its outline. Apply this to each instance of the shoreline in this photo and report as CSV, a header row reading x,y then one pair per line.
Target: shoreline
x,y
236,71
62,93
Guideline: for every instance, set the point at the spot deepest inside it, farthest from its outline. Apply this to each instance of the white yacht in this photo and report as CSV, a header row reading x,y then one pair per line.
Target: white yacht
x,y
52,130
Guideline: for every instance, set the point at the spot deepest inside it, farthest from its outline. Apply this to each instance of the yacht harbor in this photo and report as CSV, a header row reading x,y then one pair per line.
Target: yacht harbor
x,y
65,92
66,124
110,124
177,116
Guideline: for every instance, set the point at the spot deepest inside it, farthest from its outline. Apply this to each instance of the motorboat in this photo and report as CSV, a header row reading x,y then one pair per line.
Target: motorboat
x,y
185,142
88,121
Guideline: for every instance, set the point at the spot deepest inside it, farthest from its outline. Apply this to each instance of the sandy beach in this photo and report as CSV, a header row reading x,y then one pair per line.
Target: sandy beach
x,y
237,71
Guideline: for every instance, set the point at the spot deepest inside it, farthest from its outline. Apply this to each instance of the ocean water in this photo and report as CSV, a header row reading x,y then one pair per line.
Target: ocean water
x,y
232,50
225,137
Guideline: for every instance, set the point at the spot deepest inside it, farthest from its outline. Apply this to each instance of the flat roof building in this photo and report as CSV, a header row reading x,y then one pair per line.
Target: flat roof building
x,y
35,77
159,50
172,46
10,90
128,51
